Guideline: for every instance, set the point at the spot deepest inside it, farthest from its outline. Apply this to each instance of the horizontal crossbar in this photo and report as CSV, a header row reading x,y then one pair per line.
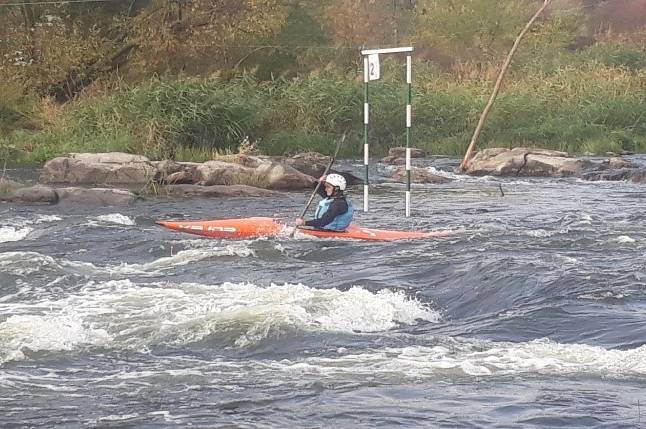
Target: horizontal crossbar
x,y
386,50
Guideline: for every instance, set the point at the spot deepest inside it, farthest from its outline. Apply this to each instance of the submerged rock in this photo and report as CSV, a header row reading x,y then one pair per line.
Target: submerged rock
x,y
7,186
218,191
419,175
33,195
96,196
397,155
40,194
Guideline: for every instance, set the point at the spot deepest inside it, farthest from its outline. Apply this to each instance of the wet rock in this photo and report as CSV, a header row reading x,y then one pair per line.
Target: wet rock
x,y
281,176
350,178
639,176
402,161
314,164
616,163
526,162
310,167
100,168
7,186
610,175
419,175
397,155
243,160
400,152
107,158
313,157
220,173
253,171
180,178
96,196
168,167
218,191
33,195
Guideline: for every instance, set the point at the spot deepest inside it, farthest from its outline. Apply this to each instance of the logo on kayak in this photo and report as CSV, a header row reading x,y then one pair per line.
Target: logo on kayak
x,y
369,232
191,227
221,228
228,229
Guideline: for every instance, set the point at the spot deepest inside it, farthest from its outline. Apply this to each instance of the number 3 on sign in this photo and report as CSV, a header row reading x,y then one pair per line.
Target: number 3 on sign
x,y
373,66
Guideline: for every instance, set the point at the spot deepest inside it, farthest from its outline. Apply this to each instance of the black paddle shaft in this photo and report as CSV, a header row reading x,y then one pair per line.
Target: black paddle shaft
x,y
318,183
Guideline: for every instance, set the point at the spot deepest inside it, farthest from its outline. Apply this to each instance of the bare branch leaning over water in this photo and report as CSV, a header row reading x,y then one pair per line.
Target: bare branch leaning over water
x,y
483,117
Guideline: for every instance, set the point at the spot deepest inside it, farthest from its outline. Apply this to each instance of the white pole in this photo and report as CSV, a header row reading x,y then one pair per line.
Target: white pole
x,y
409,81
366,111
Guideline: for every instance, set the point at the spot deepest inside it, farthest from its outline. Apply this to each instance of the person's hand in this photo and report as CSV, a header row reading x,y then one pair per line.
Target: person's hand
x,y
299,221
322,178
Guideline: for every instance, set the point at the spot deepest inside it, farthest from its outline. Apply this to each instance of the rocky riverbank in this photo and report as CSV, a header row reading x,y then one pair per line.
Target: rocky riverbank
x,y
120,178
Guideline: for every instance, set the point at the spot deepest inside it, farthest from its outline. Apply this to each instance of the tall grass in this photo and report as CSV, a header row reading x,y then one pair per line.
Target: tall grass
x,y
591,108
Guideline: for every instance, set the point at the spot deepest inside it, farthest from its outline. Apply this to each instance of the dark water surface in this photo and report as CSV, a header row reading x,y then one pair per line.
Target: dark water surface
x,y
533,315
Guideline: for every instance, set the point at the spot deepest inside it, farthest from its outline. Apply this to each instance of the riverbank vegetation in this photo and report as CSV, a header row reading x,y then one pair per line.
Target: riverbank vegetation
x,y
287,78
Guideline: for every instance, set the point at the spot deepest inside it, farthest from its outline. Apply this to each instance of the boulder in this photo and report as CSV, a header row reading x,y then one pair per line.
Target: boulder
x,y
107,158
220,173
350,178
314,164
397,155
400,152
33,195
98,169
615,163
312,157
526,162
309,167
218,191
96,196
401,161
7,186
172,172
611,175
281,176
168,167
243,160
639,176
419,175
181,177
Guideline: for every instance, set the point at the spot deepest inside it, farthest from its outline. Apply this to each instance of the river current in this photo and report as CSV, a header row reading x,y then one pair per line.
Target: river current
x,y
532,315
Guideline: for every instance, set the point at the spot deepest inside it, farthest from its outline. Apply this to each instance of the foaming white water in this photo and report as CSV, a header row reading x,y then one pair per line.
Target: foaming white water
x,y
19,228
58,330
121,314
623,239
117,218
481,359
184,257
10,233
25,263
543,233
46,218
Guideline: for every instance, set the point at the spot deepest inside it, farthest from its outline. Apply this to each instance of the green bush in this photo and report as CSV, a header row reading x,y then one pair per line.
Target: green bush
x,y
616,55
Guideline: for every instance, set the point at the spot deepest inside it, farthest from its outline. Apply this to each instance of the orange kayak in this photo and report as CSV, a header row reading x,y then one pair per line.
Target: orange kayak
x,y
254,227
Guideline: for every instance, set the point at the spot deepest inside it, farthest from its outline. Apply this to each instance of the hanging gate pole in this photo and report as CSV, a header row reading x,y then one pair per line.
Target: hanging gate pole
x,y
365,132
408,124
371,72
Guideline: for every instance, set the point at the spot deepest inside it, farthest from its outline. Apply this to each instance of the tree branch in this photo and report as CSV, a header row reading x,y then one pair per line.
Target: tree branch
x,y
485,113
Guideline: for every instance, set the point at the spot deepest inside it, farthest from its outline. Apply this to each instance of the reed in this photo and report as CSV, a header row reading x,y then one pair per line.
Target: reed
x,y
580,109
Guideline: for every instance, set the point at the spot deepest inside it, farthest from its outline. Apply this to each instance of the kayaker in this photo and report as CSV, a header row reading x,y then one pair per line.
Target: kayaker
x,y
334,212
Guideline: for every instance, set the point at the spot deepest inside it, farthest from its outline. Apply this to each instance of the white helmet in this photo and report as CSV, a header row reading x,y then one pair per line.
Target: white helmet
x,y
336,180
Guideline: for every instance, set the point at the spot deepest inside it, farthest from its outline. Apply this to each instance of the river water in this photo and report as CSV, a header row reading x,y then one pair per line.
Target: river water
x,y
532,315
